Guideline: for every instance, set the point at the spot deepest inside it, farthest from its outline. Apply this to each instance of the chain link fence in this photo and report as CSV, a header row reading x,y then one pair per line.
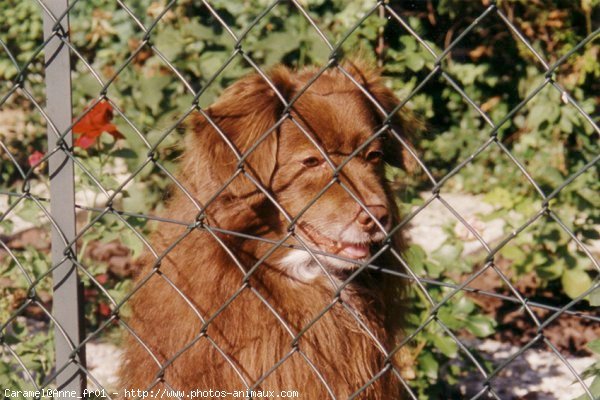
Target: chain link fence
x,y
56,293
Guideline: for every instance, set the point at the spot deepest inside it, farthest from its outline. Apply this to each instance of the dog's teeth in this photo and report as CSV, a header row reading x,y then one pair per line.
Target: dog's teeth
x,y
356,250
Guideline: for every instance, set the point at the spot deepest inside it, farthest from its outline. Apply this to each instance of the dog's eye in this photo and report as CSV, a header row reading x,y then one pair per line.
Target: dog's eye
x,y
374,156
311,162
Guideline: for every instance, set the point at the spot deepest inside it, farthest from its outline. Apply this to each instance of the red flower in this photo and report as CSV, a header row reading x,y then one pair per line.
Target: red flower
x,y
104,310
102,278
97,120
34,158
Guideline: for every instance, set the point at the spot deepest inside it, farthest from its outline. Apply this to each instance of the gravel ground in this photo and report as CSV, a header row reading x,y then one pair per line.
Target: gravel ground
x,y
427,227
535,375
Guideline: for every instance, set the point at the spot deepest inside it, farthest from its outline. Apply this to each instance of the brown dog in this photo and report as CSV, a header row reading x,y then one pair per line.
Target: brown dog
x,y
226,311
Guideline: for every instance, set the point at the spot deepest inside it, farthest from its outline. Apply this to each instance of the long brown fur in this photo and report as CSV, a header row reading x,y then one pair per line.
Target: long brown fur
x,y
183,313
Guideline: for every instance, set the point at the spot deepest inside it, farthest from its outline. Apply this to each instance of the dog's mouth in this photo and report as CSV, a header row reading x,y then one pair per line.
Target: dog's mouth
x,y
355,251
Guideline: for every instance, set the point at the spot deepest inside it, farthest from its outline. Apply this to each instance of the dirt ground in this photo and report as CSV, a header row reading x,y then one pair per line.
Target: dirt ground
x,y
569,332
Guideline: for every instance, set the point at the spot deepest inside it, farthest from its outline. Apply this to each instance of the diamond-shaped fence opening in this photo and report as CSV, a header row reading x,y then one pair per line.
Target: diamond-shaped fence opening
x,y
103,200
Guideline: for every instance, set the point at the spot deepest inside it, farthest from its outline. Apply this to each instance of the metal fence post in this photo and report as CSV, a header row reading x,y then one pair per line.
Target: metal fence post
x,y
67,308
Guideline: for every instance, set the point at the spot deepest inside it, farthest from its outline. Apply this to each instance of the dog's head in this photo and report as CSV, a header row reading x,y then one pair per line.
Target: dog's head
x,y
319,163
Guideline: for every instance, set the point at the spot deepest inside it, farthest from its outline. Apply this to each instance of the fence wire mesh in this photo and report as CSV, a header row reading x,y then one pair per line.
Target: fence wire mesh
x,y
109,206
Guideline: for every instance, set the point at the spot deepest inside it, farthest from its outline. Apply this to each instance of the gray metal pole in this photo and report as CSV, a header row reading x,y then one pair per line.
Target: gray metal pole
x,y
67,309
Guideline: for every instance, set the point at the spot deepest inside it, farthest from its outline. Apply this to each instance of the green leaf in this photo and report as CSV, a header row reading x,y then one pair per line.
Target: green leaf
x,y
449,318
86,84
537,115
590,195
434,269
277,45
415,257
428,365
415,61
124,153
594,346
575,282
595,297
514,253
501,197
551,175
552,270
480,325
447,253
151,91
197,31
410,43
30,212
463,306
211,62
131,241
169,42
445,344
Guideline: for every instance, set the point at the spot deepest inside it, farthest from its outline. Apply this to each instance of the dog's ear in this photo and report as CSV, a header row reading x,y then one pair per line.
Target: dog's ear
x,y
245,112
403,123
